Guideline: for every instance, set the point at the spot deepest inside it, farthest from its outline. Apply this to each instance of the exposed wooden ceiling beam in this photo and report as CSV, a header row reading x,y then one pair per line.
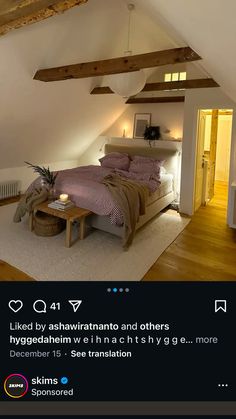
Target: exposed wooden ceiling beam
x,y
172,85
17,13
163,99
118,65
101,90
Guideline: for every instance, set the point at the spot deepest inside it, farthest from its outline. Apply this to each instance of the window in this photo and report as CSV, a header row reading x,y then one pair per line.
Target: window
x,y
168,76
176,76
183,75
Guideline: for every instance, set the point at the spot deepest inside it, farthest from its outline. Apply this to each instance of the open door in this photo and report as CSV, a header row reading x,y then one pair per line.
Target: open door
x,y
212,154
199,177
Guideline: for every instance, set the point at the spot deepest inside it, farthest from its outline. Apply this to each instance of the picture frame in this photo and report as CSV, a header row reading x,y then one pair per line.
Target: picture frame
x,y
141,121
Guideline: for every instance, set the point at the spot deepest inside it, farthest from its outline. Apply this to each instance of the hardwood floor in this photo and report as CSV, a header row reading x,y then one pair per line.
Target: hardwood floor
x,y
9,273
205,250
9,200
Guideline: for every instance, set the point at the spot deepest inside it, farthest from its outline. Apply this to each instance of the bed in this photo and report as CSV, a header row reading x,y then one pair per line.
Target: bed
x,y
157,201
85,187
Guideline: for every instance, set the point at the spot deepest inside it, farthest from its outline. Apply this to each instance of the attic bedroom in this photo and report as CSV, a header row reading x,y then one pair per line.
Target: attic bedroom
x,y
117,140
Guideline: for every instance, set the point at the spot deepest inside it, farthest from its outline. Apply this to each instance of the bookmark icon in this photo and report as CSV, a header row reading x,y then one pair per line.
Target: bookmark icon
x,y
220,305
75,304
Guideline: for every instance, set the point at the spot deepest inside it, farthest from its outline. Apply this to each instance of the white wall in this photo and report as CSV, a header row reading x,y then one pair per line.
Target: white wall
x,y
207,26
58,121
166,115
26,175
207,139
169,116
197,99
223,147
193,70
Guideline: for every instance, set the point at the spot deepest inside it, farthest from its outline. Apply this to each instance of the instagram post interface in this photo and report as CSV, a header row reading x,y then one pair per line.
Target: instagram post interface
x,y
117,208
118,343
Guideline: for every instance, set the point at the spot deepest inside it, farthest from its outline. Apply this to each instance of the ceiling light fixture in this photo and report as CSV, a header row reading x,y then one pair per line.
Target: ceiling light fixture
x,y
128,84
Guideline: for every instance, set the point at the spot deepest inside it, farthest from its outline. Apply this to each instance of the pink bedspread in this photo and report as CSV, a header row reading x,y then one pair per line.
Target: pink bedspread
x,y
85,188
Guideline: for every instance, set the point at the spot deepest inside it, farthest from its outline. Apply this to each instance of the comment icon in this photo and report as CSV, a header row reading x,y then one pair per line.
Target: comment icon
x,y
40,306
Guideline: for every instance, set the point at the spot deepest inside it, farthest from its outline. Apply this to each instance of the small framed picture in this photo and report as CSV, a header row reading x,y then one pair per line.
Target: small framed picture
x,y
141,121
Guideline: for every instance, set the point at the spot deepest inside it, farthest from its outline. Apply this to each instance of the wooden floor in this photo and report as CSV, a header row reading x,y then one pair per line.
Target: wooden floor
x,y
205,250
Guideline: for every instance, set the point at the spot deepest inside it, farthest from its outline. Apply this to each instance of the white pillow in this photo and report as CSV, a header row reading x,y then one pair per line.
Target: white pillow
x,y
163,171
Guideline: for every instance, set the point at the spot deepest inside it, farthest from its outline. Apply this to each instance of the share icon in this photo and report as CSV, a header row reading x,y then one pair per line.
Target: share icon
x,y
75,304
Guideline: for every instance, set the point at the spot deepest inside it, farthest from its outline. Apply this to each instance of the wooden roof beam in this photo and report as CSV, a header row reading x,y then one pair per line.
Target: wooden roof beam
x,y
15,14
118,65
163,99
162,86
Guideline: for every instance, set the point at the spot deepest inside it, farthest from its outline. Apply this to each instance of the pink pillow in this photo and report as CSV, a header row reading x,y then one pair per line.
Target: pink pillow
x,y
148,160
115,161
135,176
147,165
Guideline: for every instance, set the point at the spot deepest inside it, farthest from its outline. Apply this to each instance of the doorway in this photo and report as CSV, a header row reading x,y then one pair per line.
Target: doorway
x,y
213,154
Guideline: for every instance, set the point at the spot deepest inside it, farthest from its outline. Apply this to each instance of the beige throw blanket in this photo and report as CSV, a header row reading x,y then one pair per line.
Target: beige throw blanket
x,y
131,197
28,202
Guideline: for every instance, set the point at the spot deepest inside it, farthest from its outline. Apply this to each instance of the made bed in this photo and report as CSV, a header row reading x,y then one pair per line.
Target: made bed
x,y
157,201
88,188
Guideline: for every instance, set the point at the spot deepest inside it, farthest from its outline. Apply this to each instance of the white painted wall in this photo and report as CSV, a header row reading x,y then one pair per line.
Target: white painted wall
x,y
223,147
197,99
94,152
167,115
207,139
58,121
26,175
207,26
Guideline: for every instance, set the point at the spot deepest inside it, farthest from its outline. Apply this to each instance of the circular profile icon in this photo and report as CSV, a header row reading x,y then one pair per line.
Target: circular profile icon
x,y
16,386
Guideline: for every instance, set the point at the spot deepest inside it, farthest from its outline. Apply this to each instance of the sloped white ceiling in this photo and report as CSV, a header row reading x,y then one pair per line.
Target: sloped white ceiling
x,y
42,122
208,26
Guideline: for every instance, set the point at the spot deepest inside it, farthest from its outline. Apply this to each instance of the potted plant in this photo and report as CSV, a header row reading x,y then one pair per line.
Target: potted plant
x,y
152,133
48,178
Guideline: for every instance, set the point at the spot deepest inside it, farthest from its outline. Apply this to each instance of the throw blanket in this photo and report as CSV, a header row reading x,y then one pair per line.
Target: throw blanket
x,y
28,202
131,198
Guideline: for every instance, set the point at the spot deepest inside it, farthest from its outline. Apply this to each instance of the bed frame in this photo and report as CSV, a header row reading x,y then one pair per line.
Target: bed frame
x,y
171,163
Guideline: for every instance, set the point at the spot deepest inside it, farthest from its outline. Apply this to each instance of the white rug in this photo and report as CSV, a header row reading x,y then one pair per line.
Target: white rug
x,y
98,257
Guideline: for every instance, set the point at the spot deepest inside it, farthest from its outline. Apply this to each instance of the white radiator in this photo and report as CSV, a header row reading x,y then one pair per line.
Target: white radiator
x,y
9,189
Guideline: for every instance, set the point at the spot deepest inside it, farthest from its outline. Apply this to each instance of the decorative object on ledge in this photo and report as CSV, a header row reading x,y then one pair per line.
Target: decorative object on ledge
x,y
141,122
64,197
151,134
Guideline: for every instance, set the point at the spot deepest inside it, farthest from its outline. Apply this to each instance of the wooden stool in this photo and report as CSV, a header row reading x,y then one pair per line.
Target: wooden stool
x,y
68,216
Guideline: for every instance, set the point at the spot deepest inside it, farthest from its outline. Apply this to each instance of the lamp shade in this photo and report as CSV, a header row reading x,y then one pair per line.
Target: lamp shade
x,y
127,84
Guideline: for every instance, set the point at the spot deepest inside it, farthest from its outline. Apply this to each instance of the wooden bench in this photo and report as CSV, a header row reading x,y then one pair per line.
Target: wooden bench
x,y
70,215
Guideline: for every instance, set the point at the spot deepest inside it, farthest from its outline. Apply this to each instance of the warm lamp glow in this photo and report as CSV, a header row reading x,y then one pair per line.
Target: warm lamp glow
x,y
64,197
125,129
176,134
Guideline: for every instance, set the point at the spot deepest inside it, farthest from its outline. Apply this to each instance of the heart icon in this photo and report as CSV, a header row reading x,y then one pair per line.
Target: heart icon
x,y
15,305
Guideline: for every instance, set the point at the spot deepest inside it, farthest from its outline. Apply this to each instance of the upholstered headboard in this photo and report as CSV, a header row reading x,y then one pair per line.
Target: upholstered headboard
x,y
169,155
